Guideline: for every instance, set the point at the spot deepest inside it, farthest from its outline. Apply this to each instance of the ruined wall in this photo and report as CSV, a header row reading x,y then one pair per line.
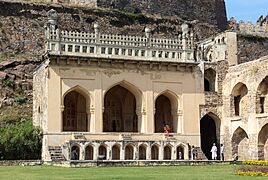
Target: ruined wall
x,y
210,11
251,47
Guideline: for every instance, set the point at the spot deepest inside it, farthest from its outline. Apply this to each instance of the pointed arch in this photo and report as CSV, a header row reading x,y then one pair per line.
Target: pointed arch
x,y
166,111
116,152
76,115
75,152
210,126
89,152
132,88
263,143
122,108
167,152
155,152
181,152
240,143
238,99
80,90
142,152
103,152
210,80
261,97
129,152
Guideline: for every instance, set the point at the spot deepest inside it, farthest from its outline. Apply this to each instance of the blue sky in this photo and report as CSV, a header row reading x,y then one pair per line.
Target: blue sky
x,y
246,10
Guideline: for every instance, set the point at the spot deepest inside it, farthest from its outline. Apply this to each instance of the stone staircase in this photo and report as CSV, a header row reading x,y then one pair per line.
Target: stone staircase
x,y
199,154
56,153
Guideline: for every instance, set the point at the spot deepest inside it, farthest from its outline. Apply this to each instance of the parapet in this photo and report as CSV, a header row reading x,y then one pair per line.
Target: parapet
x,y
114,46
260,29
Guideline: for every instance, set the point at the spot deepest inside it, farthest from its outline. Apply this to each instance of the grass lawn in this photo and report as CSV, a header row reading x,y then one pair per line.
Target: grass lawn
x,y
161,172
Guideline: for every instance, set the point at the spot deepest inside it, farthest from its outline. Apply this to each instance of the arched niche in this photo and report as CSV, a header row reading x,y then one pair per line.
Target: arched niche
x,y
263,143
239,100
261,97
210,80
240,144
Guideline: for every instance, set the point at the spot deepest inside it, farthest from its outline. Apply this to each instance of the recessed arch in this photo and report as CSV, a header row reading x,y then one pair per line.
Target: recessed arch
x,y
75,116
167,152
240,143
261,97
142,152
89,152
102,152
82,91
166,109
210,80
155,152
120,111
263,143
210,126
116,152
181,150
238,99
129,152
130,87
75,152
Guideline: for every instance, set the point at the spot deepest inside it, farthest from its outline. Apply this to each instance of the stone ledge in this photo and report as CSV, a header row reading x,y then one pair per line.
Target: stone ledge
x,y
21,162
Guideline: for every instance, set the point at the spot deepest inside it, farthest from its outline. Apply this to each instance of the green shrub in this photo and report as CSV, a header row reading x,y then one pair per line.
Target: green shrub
x,y
20,141
20,100
9,83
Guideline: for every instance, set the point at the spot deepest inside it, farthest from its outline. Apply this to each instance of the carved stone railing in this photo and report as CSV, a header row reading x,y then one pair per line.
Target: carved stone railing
x,y
146,48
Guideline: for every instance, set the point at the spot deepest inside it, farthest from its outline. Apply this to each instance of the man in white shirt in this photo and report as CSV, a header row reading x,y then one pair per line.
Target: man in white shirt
x,y
214,152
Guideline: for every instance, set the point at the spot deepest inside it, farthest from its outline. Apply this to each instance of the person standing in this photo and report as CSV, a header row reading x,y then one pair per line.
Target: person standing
x,y
192,153
222,152
214,152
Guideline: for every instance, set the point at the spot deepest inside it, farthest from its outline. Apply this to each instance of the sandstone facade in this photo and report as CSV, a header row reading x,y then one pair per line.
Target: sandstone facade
x,y
202,94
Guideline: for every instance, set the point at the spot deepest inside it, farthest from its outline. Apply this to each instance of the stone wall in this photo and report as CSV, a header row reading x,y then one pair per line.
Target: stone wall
x,y
248,123
251,47
210,11
261,28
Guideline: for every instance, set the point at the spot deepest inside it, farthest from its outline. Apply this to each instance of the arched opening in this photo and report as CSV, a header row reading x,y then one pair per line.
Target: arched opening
x,y
180,152
240,144
75,152
210,133
120,111
209,80
129,152
142,152
163,116
167,152
238,100
102,152
263,143
261,97
206,85
89,153
75,114
116,152
155,152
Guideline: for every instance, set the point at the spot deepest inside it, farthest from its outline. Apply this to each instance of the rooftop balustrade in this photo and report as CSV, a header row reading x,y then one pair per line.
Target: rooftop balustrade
x,y
113,46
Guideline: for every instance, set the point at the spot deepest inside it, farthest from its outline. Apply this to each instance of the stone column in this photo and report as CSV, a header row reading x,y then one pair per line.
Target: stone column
x,y
91,119
150,112
148,153
173,152
98,104
82,152
161,151
122,154
95,151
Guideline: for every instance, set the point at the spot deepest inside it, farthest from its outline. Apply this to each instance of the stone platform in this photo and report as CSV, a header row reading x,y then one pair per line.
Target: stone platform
x,y
136,163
